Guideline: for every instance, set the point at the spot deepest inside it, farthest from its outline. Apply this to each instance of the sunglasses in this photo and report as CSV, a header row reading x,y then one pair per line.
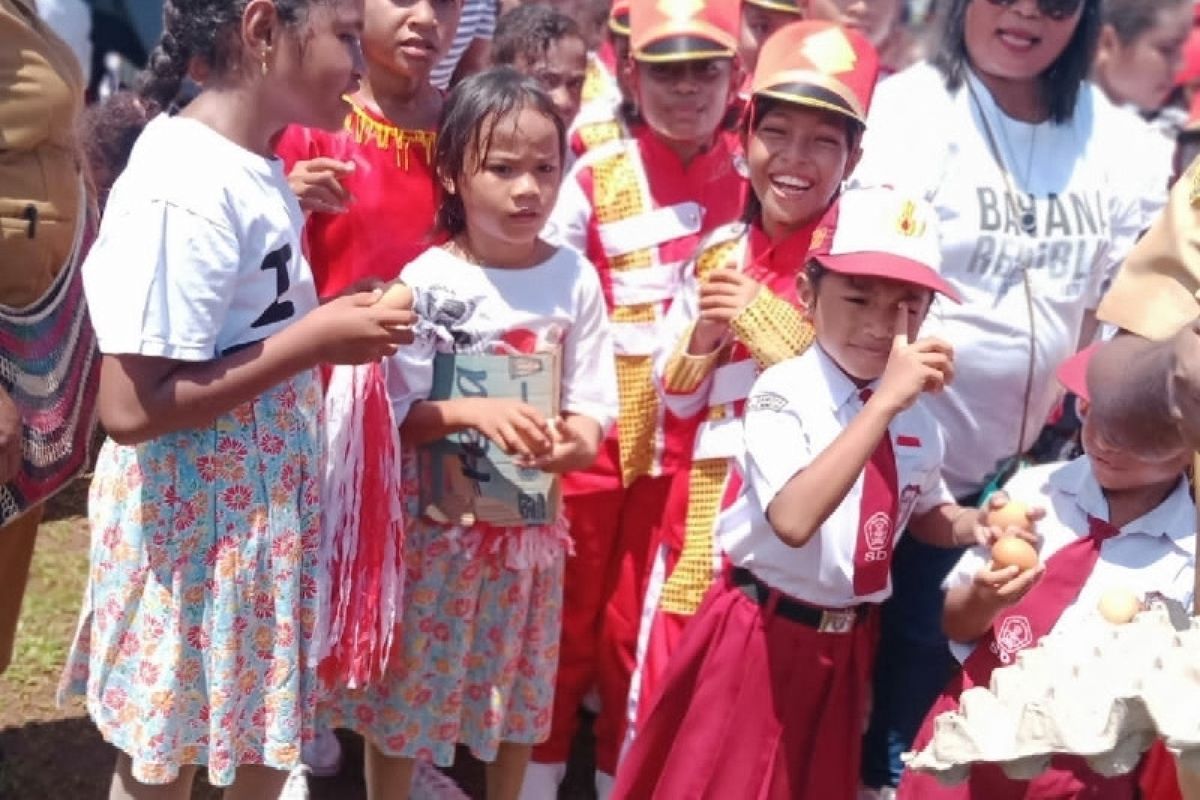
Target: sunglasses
x,y
1056,10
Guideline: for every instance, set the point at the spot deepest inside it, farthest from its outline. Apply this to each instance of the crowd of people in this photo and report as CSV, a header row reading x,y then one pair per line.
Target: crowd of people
x,y
826,284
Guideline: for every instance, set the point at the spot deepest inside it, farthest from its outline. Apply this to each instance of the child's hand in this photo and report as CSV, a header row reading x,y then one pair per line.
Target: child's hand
x,y
1000,588
925,365
723,295
1028,532
517,428
574,447
317,184
356,330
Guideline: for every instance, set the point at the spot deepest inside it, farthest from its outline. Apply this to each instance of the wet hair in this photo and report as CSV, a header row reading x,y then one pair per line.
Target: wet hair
x,y
1132,18
528,31
1061,81
759,108
469,118
108,130
204,31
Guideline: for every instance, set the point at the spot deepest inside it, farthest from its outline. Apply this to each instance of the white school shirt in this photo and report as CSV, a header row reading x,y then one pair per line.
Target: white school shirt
x,y
467,308
1154,553
199,250
796,409
1098,180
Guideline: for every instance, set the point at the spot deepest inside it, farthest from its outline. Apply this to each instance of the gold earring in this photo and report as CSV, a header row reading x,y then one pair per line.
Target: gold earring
x,y
265,66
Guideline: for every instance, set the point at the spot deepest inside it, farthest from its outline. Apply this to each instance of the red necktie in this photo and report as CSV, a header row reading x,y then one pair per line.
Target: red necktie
x,y
1034,616
876,517
1013,630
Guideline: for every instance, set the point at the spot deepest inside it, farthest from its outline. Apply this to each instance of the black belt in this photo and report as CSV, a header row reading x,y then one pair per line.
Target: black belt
x,y
825,620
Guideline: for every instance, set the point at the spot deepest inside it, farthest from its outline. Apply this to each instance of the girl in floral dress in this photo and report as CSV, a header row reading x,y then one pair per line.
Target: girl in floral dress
x,y
483,603
197,621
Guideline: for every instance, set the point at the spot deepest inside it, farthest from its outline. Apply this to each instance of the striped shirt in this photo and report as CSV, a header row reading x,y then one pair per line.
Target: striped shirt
x,y
478,22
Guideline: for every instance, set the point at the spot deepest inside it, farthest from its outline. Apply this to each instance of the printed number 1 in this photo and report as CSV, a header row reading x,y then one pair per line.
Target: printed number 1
x,y
277,311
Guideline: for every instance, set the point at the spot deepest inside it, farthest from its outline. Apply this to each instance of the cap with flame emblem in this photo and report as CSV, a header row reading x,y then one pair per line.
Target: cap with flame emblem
x,y
880,232
819,64
683,30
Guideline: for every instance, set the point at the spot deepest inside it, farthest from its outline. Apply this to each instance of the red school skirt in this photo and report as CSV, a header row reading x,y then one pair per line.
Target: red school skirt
x,y
756,704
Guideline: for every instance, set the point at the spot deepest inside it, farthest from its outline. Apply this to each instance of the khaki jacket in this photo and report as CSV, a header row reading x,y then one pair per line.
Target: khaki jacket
x,y
41,97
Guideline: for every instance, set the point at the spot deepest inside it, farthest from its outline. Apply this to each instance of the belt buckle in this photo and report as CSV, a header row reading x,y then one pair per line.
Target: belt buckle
x,y
836,621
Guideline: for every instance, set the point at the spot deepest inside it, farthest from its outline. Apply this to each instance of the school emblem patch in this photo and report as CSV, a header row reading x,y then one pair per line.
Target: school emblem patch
x,y
767,401
878,532
1013,636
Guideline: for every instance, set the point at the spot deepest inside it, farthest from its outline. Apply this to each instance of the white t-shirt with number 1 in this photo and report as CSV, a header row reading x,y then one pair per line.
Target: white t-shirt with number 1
x,y
199,249
1096,183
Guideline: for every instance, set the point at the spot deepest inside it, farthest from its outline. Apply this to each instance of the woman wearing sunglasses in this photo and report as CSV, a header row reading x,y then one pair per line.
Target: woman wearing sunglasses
x,y
1042,185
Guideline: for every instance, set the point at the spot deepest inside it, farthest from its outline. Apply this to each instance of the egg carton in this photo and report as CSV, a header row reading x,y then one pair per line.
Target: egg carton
x,y
1102,691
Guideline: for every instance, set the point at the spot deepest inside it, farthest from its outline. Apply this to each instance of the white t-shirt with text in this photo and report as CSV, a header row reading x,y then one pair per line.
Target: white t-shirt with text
x,y
1096,183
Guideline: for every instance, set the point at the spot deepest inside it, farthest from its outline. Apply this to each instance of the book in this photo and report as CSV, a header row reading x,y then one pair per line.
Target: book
x,y
465,478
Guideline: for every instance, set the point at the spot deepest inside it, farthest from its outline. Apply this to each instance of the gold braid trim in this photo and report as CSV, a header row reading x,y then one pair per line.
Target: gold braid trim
x,y
693,574
685,371
618,195
594,134
637,421
365,129
595,80
772,329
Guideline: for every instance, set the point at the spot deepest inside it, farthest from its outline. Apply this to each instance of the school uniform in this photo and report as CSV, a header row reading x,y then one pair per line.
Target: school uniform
x,y
1154,553
638,213
767,693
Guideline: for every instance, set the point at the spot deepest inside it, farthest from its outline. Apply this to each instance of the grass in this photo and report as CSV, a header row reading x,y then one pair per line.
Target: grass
x,y
52,753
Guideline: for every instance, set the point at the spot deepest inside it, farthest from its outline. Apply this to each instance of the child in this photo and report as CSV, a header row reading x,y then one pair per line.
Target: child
x,y
601,118
542,43
638,208
760,19
194,644
1119,517
767,694
482,617
738,314
369,187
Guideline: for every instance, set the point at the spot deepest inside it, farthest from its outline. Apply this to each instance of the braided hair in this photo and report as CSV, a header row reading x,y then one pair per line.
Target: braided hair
x,y
202,30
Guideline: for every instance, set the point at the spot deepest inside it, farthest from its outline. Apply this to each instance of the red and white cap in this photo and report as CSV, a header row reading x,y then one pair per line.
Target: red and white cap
x,y
1072,373
881,232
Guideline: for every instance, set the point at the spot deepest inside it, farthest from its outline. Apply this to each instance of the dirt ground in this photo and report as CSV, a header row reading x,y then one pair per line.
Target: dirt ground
x,y
51,753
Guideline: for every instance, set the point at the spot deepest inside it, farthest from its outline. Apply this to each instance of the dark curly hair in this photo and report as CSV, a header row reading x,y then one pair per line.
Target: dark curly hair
x,y
528,31
464,134
204,31
1061,81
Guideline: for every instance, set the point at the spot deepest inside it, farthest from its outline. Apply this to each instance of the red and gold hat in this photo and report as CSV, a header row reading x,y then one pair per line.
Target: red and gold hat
x,y
618,18
683,30
786,6
819,64
1072,373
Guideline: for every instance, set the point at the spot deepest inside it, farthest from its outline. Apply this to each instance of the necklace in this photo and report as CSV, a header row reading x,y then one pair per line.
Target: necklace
x,y
1028,222
1028,217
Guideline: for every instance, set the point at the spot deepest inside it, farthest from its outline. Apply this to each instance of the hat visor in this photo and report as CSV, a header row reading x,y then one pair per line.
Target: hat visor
x,y
1072,373
812,96
772,5
619,24
683,47
891,267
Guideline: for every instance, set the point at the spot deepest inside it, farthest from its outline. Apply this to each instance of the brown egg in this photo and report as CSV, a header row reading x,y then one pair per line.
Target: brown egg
x,y
1011,514
1119,606
397,296
1011,551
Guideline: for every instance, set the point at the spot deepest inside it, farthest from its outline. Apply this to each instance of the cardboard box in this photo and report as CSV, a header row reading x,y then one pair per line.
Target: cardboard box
x,y
465,478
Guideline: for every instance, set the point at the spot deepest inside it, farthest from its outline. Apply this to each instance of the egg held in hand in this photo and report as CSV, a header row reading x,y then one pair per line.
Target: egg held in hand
x,y
1013,551
1010,515
398,296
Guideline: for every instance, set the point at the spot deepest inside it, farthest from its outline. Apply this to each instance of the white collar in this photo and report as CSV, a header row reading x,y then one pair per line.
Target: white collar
x,y
838,387
1174,517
